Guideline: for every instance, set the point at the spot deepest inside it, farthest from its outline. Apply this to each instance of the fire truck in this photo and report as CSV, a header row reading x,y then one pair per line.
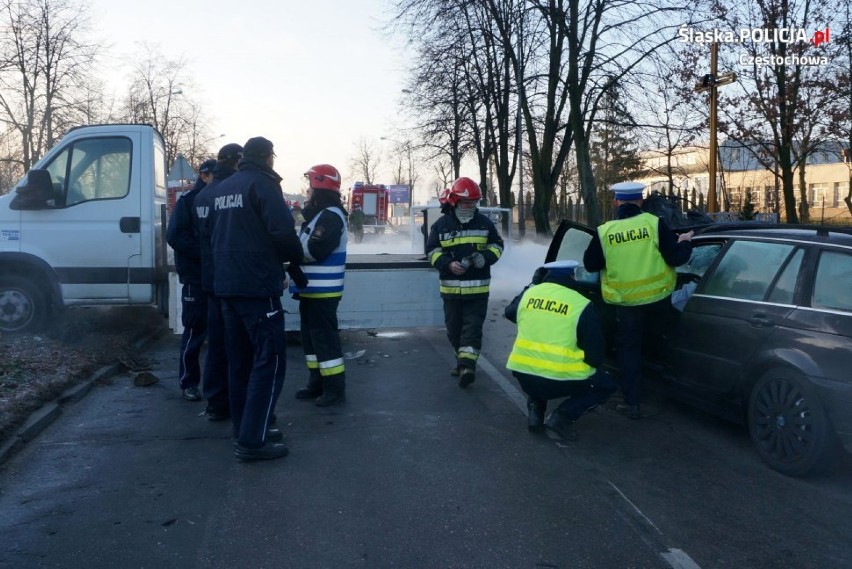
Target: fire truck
x,y
373,201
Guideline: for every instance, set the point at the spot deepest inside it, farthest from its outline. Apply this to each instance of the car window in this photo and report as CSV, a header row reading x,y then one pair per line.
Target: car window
x,y
831,285
92,169
572,247
785,287
702,257
747,269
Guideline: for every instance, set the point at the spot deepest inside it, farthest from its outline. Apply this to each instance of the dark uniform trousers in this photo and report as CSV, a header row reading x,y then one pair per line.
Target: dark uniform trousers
x,y
215,376
464,318
194,320
583,395
319,333
635,324
254,332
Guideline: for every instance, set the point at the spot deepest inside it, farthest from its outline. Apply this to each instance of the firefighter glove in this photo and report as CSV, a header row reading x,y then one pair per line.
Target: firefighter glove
x,y
298,275
478,260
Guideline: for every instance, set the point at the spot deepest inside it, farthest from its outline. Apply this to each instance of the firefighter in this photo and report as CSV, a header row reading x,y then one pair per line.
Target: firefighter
x,y
557,351
636,254
356,222
462,245
182,236
252,235
323,238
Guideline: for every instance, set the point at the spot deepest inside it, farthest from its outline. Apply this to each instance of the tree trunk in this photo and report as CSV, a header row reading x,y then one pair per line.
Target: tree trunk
x,y
804,208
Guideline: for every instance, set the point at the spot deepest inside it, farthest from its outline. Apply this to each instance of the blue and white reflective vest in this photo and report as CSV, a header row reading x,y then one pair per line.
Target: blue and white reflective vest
x,y
325,278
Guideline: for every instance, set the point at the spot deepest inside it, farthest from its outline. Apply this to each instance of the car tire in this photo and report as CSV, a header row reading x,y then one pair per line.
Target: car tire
x,y
788,424
23,305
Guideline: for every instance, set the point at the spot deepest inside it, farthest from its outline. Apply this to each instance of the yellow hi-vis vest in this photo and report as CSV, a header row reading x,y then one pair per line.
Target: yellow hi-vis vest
x,y
635,272
546,344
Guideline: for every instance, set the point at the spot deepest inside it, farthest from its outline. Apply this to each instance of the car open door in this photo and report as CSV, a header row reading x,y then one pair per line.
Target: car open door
x,y
569,243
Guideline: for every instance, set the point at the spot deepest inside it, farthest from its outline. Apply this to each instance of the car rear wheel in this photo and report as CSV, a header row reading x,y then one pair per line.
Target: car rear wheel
x,y
23,307
789,426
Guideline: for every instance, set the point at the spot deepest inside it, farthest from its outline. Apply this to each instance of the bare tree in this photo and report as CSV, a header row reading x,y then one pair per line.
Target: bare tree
x,y
159,94
769,110
366,162
44,66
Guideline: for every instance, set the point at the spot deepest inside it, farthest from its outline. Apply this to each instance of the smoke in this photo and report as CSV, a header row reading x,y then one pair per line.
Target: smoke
x,y
509,276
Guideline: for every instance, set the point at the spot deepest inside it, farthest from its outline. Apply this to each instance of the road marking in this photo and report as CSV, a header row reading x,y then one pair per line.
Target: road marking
x,y
676,558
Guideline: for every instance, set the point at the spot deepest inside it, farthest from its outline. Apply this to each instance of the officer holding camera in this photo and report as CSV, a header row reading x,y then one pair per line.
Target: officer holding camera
x,y
462,245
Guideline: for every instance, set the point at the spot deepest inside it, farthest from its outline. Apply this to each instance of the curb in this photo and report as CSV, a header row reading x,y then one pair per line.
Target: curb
x,y
45,415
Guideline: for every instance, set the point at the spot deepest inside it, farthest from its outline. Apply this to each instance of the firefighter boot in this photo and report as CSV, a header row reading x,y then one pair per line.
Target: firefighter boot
x,y
466,377
535,414
333,391
313,389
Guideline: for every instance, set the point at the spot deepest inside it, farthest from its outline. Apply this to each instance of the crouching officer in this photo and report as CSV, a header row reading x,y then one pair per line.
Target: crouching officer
x,y
252,235
557,351
323,237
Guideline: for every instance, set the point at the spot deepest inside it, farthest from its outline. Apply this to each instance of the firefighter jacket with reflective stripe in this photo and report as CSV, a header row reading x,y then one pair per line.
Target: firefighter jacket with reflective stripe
x,y
546,345
325,276
450,240
635,272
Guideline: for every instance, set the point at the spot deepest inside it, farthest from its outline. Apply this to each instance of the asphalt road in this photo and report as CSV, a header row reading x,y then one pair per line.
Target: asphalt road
x,y
411,472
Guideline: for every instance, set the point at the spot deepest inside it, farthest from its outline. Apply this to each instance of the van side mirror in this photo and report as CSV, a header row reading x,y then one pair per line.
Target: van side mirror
x,y
36,193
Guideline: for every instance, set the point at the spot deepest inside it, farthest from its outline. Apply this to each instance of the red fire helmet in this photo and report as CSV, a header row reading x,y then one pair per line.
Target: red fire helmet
x,y
464,189
323,177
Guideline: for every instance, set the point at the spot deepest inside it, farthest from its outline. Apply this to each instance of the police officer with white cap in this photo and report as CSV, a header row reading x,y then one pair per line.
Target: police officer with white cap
x,y
557,351
636,254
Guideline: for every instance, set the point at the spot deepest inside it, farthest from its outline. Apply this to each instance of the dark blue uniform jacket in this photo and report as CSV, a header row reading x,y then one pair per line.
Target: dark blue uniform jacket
x,y
182,235
252,233
201,217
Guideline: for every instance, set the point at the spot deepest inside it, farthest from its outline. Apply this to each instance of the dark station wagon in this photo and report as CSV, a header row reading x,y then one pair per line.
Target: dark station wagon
x,y
764,337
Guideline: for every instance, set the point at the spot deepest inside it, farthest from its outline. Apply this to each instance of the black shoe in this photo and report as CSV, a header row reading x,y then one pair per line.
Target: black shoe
x,y
192,394
329,398
561,427
631,411
455,371
308,393
333,391
467,377
266,452
274,436
217,414
535,415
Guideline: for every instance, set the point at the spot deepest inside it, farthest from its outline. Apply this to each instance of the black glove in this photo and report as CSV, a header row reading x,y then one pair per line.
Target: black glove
x,y
478,260
298,275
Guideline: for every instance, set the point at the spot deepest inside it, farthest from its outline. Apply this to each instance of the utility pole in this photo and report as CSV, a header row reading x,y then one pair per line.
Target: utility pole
x,y
710,82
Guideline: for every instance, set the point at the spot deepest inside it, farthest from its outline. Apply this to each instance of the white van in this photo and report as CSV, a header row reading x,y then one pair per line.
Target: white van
x,y
85,226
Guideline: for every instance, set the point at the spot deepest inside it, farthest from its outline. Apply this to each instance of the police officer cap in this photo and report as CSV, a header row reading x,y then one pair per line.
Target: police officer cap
x,y
207,167
565,267
232,151
258,146
628,191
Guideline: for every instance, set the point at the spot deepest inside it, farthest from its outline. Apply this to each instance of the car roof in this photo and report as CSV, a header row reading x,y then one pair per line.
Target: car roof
x,y
840,235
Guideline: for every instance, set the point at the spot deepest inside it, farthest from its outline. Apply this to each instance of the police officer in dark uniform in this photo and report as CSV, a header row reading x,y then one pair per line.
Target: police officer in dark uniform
x,y
252,235
182,236
215,374
462,245
635,254
558,350
323,236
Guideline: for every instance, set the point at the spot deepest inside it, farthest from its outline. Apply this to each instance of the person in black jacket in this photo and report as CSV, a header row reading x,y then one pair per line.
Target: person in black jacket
x,y
323,236
558,351
252,236
182,236
462,245
215,374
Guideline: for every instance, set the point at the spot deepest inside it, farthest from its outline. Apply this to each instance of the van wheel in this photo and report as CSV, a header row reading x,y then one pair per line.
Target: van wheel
x,y
788,424
23,306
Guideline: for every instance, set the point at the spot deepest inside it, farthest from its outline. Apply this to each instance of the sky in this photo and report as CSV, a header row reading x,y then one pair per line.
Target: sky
x,y
314,77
